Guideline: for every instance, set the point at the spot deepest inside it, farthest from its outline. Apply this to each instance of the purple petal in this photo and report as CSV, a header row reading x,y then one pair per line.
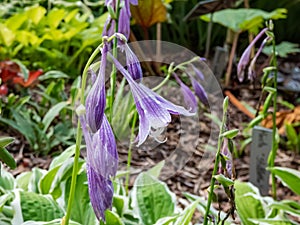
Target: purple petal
x,y
244,60
124,22
154,111
100,191
198,72
199,90
133,64
109,27
251,69
96,99
188,95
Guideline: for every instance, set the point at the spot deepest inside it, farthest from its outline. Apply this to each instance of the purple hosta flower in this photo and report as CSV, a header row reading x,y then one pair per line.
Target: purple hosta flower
x,y
245,58
198,72
227,154
96,99
188,95
251,69
102,164
132,63
199,90
109,27
124,22
124,17
154,111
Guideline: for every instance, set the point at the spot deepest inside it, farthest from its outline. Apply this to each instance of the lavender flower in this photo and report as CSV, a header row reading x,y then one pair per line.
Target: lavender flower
x,y
132,63
188,95
251,69
245,58
154,111
124,17
198,72
102,163
96,99
199,90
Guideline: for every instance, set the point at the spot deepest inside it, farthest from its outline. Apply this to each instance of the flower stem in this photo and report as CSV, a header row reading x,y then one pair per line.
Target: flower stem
x,y
130,151
217,161
65,221
113,77
274,128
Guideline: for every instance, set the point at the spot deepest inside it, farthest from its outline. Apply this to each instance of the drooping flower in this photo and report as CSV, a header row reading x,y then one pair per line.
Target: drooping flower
x,y
102,164
251,68
154,111
188,95
132,63
96,99
245,58
199,90
198,72
124,17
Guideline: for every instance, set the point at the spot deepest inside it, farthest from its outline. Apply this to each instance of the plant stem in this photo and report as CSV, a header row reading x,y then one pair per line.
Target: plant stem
x,y
130,151
217,161
274,128
113,77
65,221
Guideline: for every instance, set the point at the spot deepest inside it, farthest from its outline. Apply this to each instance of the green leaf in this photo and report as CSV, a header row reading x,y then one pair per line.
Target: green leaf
x,y
167,220
7,36
55,16
287,206
256,121
39,207
47,179
152,199
36,13
7,181
289,177
52,113
7,158
52,222
231,133
23,180
244,19
155,171
226,182
267,104
271,221
118,203
291,134
53,74
186,216
81,205
16,21
112,218
64,156
4,141
283,49
244,200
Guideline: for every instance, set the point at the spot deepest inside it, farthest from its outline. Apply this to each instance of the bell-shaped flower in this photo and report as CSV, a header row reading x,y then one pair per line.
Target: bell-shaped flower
x,y
199,90
124,22
102,164
198,72
132,63
188,95
245,58
154,111
251,69
96,99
